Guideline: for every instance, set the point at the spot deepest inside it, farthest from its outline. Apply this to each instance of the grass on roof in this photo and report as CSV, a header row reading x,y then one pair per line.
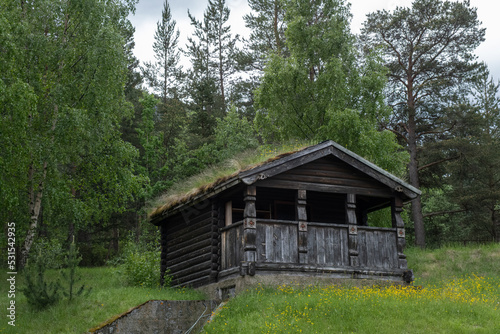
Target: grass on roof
x,y
183,190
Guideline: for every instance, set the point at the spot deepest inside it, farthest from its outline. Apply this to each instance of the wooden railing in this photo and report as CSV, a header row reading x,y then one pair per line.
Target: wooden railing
x,y
231,246
327,245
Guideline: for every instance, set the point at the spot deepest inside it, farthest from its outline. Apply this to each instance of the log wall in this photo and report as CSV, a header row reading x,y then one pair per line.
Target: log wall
x,y
192,240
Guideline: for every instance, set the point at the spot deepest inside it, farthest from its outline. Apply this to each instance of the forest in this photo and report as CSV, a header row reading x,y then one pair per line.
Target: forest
x,y
90,137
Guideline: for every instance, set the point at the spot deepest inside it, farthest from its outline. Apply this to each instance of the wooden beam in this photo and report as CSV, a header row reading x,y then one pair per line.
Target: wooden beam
x,y
398,223
350,204
301,203
282,184
249,229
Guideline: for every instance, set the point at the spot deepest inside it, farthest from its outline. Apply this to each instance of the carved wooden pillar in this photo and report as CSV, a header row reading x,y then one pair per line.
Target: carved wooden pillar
x,y
163,258
301,203
249,232
397,222
350,212
216,241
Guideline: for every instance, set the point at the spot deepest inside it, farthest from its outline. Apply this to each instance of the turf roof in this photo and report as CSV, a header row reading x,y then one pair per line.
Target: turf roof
x,y
213,177
249,173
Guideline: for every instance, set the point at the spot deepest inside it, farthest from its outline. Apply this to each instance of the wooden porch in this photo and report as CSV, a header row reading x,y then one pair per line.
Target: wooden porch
x,y
336,249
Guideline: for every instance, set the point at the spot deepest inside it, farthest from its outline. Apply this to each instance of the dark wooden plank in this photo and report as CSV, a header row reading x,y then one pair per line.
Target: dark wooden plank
x,y
175,245
293,244
331,181
180,224
320,240
195,228
270,254
312,253
281,184
205,250
195,260
199,274
192,269
194,283
191,248
232,248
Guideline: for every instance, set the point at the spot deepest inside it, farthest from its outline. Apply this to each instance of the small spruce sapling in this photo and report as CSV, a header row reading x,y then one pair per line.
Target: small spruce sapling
x,y
70,276
40,292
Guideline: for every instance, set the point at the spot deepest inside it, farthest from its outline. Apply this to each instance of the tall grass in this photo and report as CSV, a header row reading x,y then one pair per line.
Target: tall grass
x,y
457,291
109,297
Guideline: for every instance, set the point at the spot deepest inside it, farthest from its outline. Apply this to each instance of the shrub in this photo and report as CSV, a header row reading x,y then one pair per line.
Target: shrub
x,y
40,292
141,267
52,250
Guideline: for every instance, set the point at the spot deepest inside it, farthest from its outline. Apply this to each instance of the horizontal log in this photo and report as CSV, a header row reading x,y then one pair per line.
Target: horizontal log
x,y
191,248
195,260
177,244
277,222
191,227
176,224
194,283
193,269
319,269
201,251
193,231
330,180
281,184
232,226
328,173
230,271
182,280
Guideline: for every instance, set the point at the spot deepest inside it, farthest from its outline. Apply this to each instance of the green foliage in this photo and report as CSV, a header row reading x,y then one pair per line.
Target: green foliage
x,y
164,74
70,275
237,162
141,266
428,49
62,101
40,292
108,299
52,250
324,89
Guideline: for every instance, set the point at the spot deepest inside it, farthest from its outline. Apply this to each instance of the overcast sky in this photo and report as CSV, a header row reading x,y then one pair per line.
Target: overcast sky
x,y
149,12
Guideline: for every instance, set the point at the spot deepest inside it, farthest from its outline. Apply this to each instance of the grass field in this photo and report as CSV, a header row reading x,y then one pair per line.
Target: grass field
x,y
457,290
108,297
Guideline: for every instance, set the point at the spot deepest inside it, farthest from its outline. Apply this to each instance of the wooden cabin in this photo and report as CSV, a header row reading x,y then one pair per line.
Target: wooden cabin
x,y
305,213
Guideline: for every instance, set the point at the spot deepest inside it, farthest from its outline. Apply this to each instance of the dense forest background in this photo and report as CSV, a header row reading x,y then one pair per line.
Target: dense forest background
x,y
89,137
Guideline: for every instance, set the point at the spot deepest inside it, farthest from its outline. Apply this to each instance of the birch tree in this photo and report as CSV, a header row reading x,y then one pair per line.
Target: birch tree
x,y
70,69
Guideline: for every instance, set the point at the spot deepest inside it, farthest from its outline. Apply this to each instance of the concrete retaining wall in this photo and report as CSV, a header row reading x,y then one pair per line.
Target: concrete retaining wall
x,y
160,316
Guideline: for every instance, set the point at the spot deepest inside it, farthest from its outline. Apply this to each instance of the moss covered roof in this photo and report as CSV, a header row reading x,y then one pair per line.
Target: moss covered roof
x,y
219,178
216,178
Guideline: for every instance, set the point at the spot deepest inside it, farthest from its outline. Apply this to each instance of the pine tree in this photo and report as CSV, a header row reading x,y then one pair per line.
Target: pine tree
x,y
164,75
267,24
428,50
475,175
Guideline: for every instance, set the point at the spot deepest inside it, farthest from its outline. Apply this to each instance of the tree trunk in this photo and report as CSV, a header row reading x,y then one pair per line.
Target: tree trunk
x,y
275,28
35,206
416,204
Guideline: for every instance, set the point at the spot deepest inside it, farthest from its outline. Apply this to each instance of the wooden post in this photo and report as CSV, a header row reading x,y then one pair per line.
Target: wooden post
x,y
163,257
350,212
301,203
249,232
216,242
397,223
